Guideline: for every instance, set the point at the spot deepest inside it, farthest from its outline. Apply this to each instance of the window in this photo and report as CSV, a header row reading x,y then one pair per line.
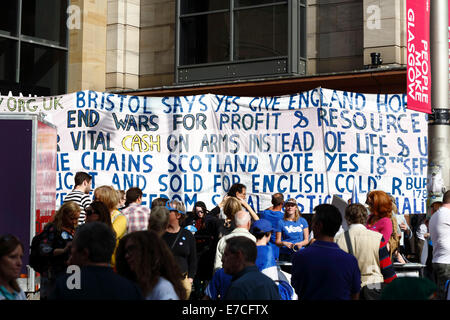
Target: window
x,y
232,39
33,46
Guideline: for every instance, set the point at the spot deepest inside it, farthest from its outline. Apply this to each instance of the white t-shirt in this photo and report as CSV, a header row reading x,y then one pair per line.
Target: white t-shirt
x,y
440,235
163,291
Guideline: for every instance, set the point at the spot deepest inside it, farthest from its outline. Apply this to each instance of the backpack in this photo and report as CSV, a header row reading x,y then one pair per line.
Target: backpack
x,y
38,261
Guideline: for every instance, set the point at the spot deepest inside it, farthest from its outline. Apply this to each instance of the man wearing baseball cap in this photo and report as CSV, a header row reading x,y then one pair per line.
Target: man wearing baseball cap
x,y
265,261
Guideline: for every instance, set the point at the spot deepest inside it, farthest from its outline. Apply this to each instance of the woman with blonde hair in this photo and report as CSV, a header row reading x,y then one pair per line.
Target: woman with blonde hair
x,y
292,232
110,198
380,207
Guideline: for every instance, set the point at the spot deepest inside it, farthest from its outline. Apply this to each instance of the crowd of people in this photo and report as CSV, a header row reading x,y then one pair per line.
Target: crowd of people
x,y
128,251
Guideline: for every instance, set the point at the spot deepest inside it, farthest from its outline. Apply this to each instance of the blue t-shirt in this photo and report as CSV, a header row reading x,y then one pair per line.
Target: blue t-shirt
x,y
323,271
218,286
291,231
265,258
273,217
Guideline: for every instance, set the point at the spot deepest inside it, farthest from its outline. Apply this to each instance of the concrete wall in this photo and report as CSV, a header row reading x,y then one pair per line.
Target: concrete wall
x,y
335,36
130,44
385,30
87,47
123,45
157,43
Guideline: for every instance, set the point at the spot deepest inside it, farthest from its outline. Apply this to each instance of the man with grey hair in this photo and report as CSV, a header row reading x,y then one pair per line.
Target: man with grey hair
x,y
89,275
243,222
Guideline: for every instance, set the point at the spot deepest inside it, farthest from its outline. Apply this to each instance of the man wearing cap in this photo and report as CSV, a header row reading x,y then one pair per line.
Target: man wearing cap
x,y
265,261
243,222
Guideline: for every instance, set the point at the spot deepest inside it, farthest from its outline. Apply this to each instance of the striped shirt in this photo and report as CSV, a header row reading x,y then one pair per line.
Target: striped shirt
x,y
82,199
387,269
137,216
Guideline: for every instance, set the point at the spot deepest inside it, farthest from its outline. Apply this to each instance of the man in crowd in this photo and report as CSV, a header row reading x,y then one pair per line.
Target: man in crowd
x,y
323,271
274,214
439,226
248,283
137,214
80,193
369,249
92,248
243,223
237,190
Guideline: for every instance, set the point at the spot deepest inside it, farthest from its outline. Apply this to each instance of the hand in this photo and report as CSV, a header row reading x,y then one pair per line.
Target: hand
x,y
289,245
243,202
221,204
403,226
191,280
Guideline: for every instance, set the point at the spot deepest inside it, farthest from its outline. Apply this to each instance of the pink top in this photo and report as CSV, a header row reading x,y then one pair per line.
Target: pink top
x,y
383,226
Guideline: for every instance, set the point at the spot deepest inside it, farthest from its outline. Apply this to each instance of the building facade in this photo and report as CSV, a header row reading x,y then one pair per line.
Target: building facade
x,y
178,47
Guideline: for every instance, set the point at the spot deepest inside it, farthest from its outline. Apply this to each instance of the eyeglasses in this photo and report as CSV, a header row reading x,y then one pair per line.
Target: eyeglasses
x,y
168,207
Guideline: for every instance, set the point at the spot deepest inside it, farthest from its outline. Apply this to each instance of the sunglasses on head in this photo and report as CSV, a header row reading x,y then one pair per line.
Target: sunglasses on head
x,y
168,207
289,204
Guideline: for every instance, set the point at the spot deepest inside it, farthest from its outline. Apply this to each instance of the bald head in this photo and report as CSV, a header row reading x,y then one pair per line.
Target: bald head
x,y
242,219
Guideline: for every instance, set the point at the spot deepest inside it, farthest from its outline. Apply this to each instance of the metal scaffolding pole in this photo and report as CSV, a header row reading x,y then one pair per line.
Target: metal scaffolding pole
x,y
439,120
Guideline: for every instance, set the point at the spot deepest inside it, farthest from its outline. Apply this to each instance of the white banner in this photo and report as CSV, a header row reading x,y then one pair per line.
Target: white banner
x,y
309,145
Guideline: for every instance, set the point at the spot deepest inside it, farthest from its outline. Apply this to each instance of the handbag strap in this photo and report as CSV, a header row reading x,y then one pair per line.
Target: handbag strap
x,y
176,239
349,243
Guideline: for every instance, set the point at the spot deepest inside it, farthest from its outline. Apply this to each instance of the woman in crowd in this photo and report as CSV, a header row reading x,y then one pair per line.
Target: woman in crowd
x,y
143,257
197,216
122,199
182,243
108,196
226,223
57,236
206,243
380,208
98,211
292,232
11,253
